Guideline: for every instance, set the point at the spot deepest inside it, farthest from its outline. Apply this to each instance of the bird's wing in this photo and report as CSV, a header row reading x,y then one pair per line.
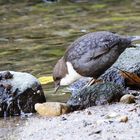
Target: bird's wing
x,y
103,49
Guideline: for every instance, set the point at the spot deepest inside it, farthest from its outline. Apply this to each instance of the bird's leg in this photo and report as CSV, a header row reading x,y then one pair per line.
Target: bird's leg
x,y
91,82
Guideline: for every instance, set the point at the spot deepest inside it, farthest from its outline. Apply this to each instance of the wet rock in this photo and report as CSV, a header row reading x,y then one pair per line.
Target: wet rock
x,y
127,99
123,119
52,108
135,68
19,92
76,86
97,94
128,58
113,75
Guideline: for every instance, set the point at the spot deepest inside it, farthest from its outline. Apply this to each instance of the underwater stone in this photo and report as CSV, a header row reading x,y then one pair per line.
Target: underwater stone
x,y
97,94
19,93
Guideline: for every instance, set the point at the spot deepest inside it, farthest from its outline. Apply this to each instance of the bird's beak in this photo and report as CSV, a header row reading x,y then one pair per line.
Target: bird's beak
x,y
56,89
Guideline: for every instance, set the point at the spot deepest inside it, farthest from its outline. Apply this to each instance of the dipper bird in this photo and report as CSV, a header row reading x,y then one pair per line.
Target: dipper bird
x,y
90,56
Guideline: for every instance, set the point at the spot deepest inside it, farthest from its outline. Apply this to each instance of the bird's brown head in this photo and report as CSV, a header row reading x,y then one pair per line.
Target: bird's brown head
x,y
59,72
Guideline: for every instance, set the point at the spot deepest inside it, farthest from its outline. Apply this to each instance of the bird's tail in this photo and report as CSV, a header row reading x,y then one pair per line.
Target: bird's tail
x,y
134,38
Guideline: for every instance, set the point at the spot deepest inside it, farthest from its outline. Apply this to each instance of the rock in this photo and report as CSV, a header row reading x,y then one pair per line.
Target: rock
x,y
135,68
52,108
123,119
127,99
76,86
128,58
112,115
19,92
97,94
113,75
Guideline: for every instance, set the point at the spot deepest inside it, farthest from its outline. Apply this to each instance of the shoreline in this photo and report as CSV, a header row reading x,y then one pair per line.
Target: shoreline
x,y
97,122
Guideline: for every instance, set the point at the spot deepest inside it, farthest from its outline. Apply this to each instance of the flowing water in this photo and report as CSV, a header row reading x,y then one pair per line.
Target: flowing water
x,y
34,37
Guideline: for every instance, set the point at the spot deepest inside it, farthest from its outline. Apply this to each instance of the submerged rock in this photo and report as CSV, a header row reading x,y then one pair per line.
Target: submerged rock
x,y
52,108
19,92
98,94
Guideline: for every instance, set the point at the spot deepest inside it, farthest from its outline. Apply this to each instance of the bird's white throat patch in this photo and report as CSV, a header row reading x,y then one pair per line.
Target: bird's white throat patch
x,y
71,76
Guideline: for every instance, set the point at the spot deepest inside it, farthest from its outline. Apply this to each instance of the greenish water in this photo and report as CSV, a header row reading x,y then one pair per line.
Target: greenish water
x,y
34,37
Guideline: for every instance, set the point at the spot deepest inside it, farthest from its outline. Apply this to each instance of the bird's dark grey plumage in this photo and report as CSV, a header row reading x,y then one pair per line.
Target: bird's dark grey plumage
x,y
93,53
